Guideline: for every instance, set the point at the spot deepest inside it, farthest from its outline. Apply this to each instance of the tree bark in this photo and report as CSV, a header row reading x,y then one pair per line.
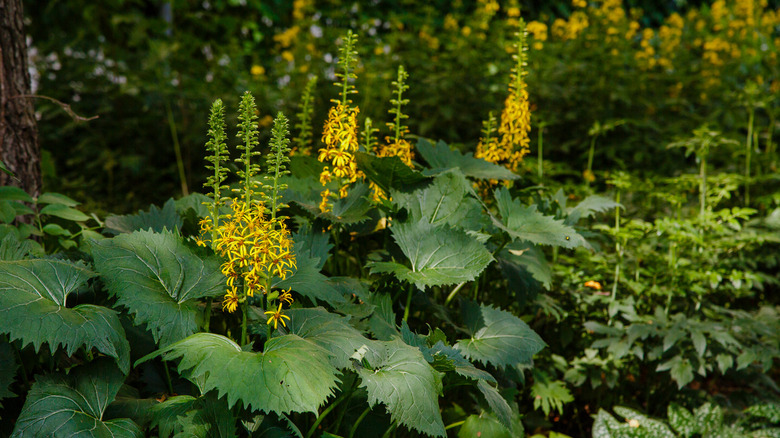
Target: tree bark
x,y
18,128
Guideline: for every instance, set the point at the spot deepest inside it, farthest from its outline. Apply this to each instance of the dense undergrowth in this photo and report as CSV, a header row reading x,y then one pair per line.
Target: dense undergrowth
x,y
594,252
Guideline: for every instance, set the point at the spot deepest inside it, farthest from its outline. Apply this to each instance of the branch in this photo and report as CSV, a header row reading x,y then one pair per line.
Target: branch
x,y
62,105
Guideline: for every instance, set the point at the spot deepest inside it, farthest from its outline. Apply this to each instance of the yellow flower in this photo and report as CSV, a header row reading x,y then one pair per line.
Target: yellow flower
x,y
276,316
401,149
230,303
593,284
288,56
341,142
257,70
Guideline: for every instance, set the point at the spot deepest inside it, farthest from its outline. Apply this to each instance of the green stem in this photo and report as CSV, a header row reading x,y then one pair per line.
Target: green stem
x,y
21,364
321,417
390,429
453,293
702,185
244,310
207,315
618,249
167,377
176,148
539,170
748,151
590,155
408,302
357,422
455,424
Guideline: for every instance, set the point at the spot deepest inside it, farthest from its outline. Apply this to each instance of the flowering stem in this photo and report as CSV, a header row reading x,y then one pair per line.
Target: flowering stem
x,y
702,184
749,144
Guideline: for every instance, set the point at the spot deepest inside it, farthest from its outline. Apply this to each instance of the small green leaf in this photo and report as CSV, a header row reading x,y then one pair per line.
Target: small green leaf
x,y
402,380
56,198
526,223
73,405
157,219
498,337
699,342
353,208
159,280
644,426
725,361
440,158
588,207
7,212
681,420
11,193
33,298
439,255
549,394
389,173
64,212
291,375
485,425
55,230
498,404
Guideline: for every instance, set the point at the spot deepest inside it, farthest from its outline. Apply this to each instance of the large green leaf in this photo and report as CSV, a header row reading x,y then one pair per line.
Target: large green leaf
x,y
438,255
497,337
401,379
444,201
440,158
588,207
389,173
157,219
33,308
159,280
526,223
291,375
329,331
498,404
73,405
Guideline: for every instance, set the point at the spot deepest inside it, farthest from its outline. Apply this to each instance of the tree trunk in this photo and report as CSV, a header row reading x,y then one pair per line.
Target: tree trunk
x,y
18,128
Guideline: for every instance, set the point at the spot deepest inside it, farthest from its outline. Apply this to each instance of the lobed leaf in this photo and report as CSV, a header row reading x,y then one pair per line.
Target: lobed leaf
x,y
498,337
389,173
156,219
526,223
73,404
159,280
401,379
440,158
33,299
438,255
330,331
291,375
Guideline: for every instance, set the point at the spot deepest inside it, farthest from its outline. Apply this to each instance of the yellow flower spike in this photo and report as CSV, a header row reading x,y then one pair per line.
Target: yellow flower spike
x,y
276,316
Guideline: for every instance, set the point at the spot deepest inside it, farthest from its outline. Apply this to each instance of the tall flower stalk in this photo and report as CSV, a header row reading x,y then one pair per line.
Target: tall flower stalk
x,y
397,145
340,133
515,124
304,138
253,238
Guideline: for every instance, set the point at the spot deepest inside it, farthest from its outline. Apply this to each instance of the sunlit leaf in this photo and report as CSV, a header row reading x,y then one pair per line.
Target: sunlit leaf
x,y
524,222
498,337
291,375
400,378
438,255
